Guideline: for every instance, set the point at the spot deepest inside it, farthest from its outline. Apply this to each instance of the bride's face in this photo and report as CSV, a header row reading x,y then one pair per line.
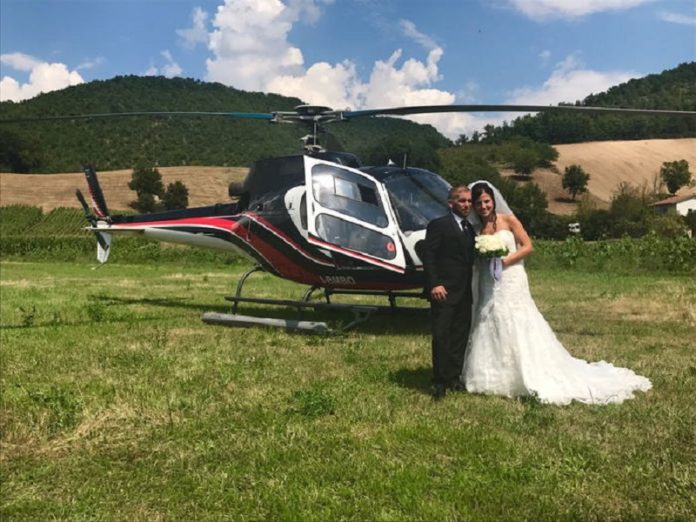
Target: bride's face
x,y
484,205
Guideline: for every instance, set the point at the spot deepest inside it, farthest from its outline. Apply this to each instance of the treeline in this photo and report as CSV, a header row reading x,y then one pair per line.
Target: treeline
x,y
118,143
674,89
59,235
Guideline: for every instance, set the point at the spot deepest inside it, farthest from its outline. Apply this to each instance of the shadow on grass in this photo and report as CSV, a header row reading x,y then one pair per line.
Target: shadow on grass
x,y
413,378
409,321
174,302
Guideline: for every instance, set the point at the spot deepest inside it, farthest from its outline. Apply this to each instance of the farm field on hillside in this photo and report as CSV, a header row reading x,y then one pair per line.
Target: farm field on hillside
x,y
608,163
119,403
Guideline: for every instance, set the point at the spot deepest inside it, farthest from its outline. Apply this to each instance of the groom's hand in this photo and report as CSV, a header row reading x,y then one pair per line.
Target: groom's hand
x,y
438,293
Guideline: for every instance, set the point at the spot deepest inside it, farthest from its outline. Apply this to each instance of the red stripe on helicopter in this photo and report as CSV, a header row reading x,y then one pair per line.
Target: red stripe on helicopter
x,y
231,225
278,232
280,263
216,222
316,241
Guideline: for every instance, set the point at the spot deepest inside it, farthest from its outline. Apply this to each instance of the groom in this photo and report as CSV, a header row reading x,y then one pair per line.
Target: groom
x,y
448,258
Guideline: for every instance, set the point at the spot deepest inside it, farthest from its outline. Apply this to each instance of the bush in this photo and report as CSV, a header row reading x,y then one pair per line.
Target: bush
x,y
690,220
176,196
648,254
14,219
669,225
551,226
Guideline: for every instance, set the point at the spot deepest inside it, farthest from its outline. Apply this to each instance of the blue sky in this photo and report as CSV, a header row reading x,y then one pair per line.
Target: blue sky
x,y
352,53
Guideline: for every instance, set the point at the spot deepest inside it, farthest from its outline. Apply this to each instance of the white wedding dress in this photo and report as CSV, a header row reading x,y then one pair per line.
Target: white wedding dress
x,y
513,351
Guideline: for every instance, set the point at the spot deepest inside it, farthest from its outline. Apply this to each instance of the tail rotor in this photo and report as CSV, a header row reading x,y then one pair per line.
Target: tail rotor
x,y
101,219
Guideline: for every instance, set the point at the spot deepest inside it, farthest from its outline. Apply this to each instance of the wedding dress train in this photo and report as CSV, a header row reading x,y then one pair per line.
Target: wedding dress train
x,y
513,351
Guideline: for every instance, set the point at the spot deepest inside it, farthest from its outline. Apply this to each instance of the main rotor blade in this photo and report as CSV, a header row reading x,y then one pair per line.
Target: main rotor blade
x,y
241,115
429,109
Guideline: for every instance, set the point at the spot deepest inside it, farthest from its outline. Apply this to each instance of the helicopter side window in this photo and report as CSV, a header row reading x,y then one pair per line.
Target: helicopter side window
x,y
354,237
348,193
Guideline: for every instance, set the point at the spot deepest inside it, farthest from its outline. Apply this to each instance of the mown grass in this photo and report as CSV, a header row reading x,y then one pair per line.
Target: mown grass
x,y
119,403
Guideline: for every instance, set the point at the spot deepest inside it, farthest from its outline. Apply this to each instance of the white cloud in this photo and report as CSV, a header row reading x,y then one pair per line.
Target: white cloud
x,y
43,77
169,69
569,82
198,32
273,64
409,29
676,18
90,64
20,61
250,45
549,9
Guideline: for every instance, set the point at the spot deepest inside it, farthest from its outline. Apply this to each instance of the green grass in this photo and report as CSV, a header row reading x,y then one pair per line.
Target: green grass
x,y
120,404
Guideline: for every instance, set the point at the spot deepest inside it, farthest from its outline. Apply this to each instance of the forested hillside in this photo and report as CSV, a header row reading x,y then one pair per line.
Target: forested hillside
x,y
674,89
120,143
115,143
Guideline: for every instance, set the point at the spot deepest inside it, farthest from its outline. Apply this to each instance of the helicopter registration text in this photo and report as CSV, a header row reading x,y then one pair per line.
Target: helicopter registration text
x,y
337,280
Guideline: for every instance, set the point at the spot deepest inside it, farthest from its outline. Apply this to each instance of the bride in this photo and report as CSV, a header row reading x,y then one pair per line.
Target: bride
x,y
512,350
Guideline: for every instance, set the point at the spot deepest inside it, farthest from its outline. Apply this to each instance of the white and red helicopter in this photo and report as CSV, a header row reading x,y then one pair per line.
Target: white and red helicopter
x,y
319,218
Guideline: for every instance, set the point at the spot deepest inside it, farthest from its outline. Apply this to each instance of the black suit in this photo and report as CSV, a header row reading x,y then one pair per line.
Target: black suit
x,y
448,258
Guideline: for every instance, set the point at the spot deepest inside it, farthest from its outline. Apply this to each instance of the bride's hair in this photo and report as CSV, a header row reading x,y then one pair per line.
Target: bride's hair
x,y
485,188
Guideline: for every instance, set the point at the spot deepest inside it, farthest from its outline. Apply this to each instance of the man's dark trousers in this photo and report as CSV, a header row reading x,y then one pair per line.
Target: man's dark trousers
x,y
450,324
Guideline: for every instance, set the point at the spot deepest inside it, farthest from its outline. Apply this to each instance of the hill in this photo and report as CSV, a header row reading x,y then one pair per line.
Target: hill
x,y
119,143
608,163
673,89
207,185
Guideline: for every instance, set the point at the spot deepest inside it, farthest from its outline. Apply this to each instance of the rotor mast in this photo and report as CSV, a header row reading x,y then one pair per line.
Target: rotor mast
x,y
313,116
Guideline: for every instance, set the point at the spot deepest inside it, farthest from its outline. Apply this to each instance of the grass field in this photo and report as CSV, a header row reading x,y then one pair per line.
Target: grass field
x,y
120,404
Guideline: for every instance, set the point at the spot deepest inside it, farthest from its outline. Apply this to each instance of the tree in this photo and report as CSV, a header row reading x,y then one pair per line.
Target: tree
x,y
16,154
524,161
145,203
675,174
630,211
527,201
176,196
146,180
147,183
669,225
461,140
575,180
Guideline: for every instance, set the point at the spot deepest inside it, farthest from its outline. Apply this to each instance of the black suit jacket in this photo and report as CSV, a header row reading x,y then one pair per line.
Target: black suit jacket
x,y
448,257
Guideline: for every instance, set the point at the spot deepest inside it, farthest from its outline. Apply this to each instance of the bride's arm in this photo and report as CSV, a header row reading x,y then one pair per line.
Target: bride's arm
x,y
524,244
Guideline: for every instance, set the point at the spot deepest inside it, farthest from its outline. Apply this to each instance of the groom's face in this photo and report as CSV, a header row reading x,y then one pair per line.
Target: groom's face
x,y
460,202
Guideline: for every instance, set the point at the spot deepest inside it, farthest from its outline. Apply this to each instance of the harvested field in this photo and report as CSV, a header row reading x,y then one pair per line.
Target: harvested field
x,y
608,163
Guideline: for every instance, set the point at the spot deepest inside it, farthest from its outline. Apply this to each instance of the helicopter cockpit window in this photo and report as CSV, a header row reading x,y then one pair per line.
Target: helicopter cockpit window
x,y
349,235
417,198
348,193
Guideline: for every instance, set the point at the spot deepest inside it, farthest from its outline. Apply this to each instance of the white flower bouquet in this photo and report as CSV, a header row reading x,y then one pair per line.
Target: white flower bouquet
x,y
492,248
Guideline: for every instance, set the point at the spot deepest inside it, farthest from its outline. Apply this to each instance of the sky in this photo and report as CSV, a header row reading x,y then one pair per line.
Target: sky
x,y
355,54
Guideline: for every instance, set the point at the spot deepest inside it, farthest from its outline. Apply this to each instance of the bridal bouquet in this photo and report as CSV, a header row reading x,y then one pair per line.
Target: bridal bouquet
x,y
493,248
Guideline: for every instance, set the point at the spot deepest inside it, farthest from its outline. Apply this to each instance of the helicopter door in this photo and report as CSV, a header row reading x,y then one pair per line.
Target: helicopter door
x,y
348,212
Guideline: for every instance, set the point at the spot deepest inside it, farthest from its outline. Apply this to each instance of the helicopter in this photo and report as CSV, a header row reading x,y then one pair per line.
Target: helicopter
x,y
320,218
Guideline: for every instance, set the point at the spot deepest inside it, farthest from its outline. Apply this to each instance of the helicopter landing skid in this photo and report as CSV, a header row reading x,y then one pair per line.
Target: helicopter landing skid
x,y
361,312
